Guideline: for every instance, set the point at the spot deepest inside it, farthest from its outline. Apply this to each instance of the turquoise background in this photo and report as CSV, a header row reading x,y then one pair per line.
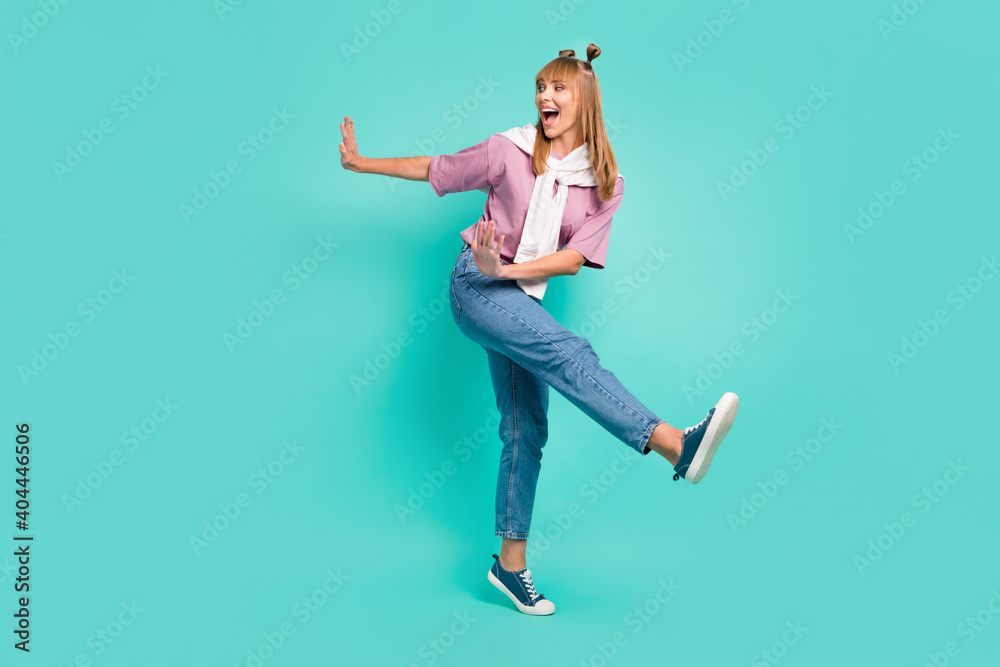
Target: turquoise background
x,y
363,449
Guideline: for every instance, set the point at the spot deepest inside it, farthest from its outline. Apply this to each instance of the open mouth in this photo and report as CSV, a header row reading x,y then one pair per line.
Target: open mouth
x,y
549,117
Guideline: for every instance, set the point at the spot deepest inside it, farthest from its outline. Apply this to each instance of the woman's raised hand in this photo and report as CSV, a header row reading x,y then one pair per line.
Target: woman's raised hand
x,y
486,250
349,156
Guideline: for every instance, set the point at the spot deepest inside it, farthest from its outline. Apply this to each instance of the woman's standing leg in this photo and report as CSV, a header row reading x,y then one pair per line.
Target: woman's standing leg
x,y
523,402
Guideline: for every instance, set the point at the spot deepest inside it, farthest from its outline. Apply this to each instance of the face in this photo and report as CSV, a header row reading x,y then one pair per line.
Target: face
x,y
556,95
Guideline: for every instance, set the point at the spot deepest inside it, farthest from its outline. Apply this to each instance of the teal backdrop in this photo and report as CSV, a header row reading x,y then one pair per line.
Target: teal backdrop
x,y
258,438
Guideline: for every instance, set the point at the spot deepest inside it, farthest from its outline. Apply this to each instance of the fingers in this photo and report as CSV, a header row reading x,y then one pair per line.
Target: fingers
x,y
347,129
486,237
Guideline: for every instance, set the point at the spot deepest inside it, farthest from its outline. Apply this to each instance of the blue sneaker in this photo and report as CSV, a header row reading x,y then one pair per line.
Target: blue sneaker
x,y
518,587
701,441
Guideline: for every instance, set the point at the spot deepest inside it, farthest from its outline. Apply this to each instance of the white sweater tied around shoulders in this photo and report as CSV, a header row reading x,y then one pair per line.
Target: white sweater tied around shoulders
x,y
540,236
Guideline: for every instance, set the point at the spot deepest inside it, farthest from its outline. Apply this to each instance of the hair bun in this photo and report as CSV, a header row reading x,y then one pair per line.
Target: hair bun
x,y
592,52
567,53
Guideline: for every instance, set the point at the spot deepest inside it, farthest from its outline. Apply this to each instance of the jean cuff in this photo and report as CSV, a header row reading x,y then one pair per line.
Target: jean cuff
x,y
643,446
510,534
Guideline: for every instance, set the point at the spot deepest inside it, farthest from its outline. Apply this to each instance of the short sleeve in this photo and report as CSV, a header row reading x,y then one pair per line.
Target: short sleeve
x,y
591,240
468,169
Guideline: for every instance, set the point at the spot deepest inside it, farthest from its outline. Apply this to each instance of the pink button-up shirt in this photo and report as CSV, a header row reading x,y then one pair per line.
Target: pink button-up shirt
x,y
497,163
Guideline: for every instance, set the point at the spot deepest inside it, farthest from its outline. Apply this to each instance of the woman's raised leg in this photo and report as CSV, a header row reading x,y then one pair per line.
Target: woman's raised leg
x,y
500,317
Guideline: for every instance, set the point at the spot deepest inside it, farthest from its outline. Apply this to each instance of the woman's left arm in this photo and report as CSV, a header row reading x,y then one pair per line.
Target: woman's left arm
x,y
564,262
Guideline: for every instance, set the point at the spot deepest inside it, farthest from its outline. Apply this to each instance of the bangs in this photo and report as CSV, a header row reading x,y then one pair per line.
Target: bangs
x,y
565,69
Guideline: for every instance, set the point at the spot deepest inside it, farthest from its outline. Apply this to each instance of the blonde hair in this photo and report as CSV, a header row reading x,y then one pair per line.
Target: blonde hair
x,y
582,81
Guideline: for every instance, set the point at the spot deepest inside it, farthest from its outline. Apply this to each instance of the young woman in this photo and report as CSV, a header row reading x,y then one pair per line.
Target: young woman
x,y
553,190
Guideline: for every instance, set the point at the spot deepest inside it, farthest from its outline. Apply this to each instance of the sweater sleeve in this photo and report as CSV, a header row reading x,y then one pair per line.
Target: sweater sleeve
x,y
591,240
468,169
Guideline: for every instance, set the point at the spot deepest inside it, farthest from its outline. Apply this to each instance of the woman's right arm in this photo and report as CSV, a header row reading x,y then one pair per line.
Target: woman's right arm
x,y
412,168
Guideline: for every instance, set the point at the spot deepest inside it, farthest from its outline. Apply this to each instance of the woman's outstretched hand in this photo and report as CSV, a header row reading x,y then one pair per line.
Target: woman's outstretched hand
x,y
349,156
486,252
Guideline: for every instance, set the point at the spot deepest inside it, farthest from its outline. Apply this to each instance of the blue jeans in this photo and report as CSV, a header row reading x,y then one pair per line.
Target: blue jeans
x,y
528,350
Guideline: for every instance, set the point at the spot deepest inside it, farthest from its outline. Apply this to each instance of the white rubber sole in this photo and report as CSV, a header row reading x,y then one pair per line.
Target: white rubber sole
x,y
718,427
544,610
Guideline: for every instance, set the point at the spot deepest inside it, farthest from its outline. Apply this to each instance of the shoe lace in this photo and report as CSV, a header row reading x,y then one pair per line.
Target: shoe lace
x,y
529,586
697,426
691,429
